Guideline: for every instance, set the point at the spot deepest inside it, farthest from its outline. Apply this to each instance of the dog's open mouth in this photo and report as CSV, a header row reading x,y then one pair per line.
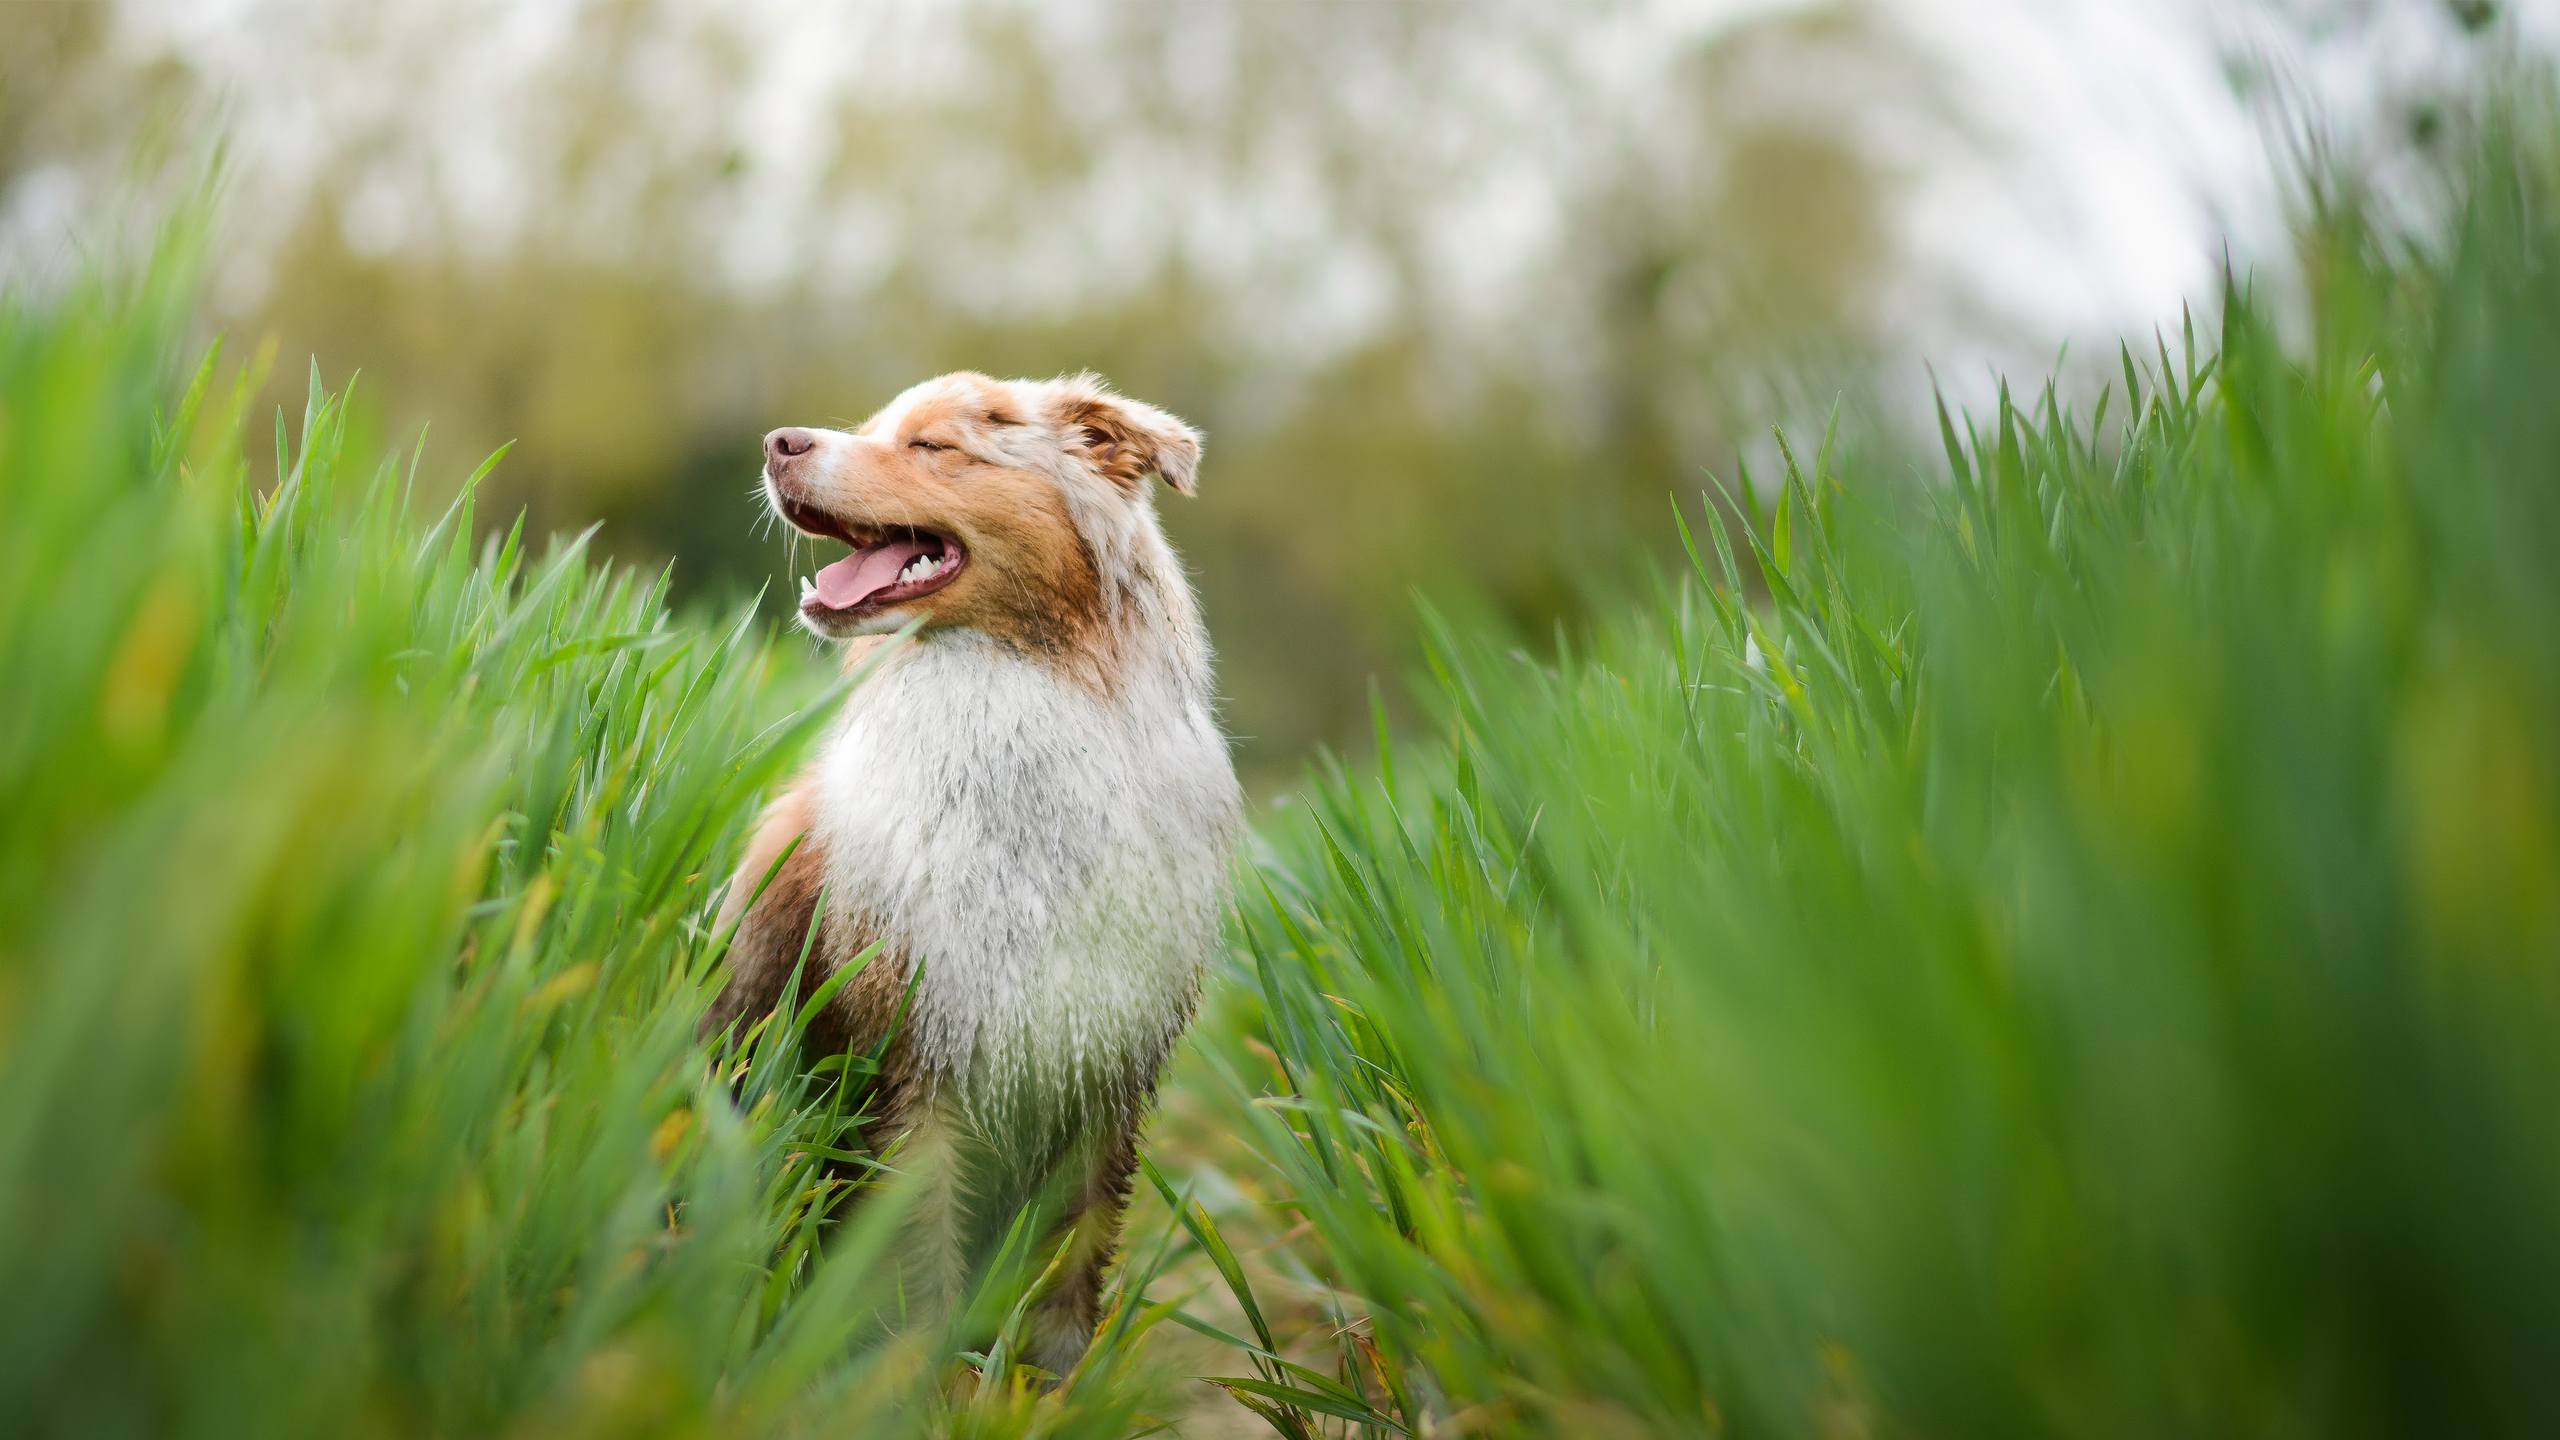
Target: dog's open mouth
x,y
889,565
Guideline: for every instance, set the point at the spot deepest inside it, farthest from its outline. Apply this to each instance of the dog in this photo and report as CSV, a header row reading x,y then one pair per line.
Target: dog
x,y
1028,807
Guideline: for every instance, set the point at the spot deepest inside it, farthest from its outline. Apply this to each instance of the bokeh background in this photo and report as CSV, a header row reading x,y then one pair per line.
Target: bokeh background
x,y
1465,294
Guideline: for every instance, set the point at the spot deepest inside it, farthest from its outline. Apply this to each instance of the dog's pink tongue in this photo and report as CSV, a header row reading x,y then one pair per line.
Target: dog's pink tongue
x,y
865,573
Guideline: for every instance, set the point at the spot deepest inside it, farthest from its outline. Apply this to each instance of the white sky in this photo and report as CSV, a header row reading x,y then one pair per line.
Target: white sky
x,y
2116,165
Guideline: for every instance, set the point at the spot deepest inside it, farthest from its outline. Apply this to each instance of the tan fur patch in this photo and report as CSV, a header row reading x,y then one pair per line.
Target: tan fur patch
x,y
1128,441
768,947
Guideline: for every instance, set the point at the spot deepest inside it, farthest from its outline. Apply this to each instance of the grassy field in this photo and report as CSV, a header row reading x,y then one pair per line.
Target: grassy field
x,y
356,874
2059,938
2081,958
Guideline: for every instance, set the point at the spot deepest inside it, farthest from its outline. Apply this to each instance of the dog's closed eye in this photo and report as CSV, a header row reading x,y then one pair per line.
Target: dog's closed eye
x,y
923,444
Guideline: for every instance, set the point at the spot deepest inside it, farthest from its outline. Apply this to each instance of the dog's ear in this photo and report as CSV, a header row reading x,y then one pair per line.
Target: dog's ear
x,y
1127,440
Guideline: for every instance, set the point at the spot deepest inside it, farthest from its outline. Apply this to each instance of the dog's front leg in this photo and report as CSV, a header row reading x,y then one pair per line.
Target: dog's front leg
x,y
1064,1317
931,1159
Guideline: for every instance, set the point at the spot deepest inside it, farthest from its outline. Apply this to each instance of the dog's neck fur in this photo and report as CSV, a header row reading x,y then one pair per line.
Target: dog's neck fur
x,y
1050,851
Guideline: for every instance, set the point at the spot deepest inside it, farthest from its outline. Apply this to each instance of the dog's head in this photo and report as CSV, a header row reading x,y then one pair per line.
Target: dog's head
x,y
1015,507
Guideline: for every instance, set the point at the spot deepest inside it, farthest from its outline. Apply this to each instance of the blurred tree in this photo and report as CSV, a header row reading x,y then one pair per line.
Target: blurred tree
x,y
37,44
1461,293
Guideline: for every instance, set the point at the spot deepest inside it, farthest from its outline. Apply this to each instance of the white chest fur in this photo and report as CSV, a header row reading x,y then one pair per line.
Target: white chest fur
x,y
1055,859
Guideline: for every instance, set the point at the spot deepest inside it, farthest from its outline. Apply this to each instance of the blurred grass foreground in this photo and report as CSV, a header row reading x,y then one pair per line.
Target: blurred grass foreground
x,y
2071,949
2082,958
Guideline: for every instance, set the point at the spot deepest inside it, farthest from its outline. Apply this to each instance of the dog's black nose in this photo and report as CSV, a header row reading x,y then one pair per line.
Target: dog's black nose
x,y
787,444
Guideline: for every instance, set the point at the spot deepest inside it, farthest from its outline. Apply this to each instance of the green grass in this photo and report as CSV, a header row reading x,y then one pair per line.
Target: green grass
x,y
354,877
2102,977
2098,974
